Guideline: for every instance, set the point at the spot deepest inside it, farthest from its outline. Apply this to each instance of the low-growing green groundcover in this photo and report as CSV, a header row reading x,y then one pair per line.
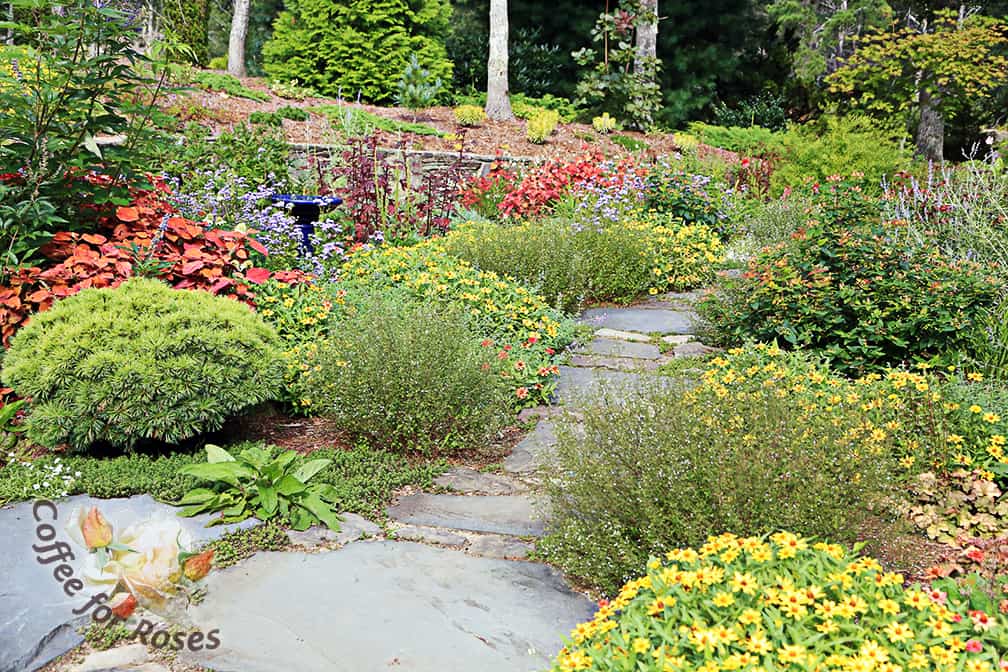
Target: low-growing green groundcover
x,y
365,478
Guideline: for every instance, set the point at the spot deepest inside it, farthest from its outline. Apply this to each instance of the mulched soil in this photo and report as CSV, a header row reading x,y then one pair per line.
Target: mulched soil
x,y
222,112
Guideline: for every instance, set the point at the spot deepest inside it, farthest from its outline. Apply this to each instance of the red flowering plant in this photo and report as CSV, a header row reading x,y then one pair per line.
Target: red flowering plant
x,y
142,239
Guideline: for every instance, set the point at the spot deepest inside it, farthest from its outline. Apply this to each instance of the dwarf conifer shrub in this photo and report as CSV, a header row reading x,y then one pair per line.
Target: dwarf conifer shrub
x,y
140,363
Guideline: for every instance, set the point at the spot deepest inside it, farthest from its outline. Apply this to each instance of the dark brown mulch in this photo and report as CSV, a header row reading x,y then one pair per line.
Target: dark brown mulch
x,y
221,112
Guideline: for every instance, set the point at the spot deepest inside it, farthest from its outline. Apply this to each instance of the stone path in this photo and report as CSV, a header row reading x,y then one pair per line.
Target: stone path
x,y
445,585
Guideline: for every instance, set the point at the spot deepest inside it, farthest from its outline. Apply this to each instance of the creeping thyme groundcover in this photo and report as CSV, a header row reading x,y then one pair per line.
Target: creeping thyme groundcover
x,y
782,603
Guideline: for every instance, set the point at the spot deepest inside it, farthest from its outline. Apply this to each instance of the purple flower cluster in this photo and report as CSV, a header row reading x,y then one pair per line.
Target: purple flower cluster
x,y
225,201
602,203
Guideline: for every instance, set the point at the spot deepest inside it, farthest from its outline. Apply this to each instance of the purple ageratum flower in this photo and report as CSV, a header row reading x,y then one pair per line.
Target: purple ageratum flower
x,y
601,203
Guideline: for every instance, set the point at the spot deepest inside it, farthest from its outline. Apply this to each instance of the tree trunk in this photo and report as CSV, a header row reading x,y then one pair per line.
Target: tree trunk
x,y
236,42
647,37
498,105
931,130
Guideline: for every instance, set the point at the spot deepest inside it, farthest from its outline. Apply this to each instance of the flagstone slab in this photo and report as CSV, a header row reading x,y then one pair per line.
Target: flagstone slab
x,y
471,481
618,348
37,622
514,515
385,605
646,319
533,450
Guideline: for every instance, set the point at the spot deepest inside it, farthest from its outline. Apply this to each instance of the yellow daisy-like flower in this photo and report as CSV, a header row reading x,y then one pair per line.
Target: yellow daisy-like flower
x,y
791,654
898,632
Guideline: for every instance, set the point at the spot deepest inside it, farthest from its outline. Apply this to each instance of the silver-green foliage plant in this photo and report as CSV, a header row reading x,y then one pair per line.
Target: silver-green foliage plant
x,y
257,483
417,89
140,363
407,376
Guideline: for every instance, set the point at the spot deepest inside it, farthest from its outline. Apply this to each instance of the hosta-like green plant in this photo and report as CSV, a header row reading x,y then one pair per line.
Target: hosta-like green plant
x,y
140,363
257,483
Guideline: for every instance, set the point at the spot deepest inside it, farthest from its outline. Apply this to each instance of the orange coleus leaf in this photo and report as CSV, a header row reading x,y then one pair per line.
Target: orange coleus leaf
x,y
94,238
127,214
38,296
257,275
191,267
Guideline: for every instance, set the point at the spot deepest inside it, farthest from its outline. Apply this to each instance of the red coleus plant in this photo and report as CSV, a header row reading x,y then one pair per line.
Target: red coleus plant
x,y
144,238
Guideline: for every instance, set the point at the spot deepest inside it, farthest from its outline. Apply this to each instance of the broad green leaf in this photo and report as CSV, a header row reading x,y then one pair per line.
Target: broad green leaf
x,y
322,511
268,497
309,469
217,454
289,485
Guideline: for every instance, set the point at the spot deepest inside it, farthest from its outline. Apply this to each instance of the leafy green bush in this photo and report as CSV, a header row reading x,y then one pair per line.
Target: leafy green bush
x,y
256,155
539,127
628,143
407,376
765,110
142,362
331,47
784,602
857,294
643,471
260,482
695,199
750,140
469,115
525,332
56,98
573,265
816,151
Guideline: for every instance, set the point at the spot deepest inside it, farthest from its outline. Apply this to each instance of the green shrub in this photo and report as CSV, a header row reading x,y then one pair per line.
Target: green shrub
x,y
276,117
857,294
643,471
749,140
331,47
573,265
407,376
695,199
469,115
765,223
816,151
539,127
218,63
517,323
142,362
256,154
784,602
417,88
839,146
765,109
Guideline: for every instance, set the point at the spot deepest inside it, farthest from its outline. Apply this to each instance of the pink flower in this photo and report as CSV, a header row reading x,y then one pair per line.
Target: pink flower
x,y
974,646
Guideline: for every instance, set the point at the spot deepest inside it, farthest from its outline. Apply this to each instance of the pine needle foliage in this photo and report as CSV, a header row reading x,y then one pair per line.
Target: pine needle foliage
x,y
140,363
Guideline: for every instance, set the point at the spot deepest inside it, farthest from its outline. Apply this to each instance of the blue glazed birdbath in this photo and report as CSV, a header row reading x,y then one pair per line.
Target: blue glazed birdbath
x,y
306,210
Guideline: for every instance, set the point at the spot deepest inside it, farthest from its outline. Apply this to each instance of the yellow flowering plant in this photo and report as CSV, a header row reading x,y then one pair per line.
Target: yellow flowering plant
x,y
922,413
782,602
525,333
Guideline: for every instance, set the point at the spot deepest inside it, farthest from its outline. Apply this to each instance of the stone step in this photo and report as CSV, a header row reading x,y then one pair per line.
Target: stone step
x,y
608,347
513,515
385,605
481,544
615,363
533,450
470,481
644,319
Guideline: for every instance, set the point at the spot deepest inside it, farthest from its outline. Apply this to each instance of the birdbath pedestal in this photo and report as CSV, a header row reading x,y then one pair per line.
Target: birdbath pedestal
x,y
306,210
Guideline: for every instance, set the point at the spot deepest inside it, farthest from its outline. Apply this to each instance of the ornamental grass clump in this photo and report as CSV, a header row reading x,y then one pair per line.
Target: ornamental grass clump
x,y
642,471
408,376
782,603
140,363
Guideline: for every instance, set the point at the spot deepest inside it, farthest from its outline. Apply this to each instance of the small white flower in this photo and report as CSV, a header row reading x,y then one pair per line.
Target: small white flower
x,y
35,487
